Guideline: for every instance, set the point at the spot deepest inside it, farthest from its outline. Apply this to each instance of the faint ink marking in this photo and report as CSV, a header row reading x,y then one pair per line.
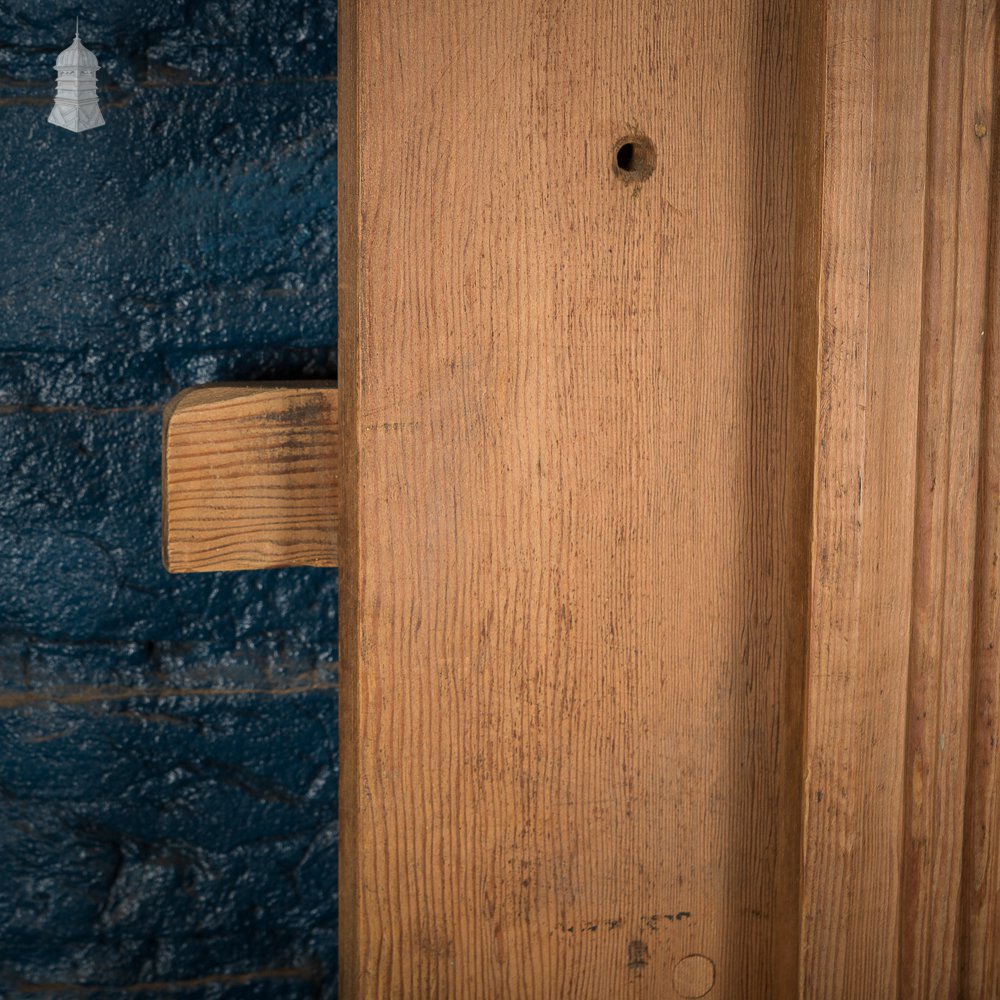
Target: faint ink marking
x,y
650,921
638,955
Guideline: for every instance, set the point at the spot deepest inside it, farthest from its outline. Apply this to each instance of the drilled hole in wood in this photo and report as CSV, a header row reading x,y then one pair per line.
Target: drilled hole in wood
x,y
635,157
626,154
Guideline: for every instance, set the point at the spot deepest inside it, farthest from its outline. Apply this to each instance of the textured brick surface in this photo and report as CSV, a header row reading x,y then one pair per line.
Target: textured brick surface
x,y
168,751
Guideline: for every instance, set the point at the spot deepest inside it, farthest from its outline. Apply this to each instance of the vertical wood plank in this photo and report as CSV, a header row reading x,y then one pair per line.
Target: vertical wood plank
x,y
948,459
577,420
981,885
871,237
981,869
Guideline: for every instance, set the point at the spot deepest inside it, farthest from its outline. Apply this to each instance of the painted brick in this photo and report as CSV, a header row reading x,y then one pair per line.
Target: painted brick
x,y
166,839
191,239
168,746
81,574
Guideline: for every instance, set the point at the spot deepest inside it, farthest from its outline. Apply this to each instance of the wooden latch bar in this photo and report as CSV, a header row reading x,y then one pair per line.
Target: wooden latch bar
x,y
250,477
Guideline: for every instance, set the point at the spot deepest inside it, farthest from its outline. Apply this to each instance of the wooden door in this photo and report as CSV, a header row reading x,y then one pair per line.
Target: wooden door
x,y
670,458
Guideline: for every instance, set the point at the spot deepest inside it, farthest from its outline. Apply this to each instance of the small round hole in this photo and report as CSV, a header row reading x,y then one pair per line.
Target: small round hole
x,y
635,158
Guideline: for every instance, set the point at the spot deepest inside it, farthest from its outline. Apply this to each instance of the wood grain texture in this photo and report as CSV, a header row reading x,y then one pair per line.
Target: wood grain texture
x,y
896,840
980,916
953,324
250,477
578,425
871,238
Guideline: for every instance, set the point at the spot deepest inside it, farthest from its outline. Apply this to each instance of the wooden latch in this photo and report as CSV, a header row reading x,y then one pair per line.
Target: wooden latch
x,y
250,477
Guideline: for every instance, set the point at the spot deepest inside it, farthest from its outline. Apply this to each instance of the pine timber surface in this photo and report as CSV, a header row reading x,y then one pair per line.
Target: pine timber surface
x,y
578,441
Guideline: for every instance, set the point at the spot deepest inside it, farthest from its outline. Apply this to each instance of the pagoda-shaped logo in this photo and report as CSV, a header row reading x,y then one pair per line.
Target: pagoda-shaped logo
x,y
76,106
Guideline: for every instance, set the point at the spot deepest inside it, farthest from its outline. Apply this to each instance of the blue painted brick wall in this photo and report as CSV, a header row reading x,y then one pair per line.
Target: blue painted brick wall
x,y
168,745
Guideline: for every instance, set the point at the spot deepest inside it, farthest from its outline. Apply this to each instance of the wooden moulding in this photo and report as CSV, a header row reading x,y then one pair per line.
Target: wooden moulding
x,y
250,477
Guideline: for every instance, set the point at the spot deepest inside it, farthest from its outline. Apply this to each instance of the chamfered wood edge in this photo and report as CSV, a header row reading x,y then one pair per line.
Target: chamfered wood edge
x,y
196,398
